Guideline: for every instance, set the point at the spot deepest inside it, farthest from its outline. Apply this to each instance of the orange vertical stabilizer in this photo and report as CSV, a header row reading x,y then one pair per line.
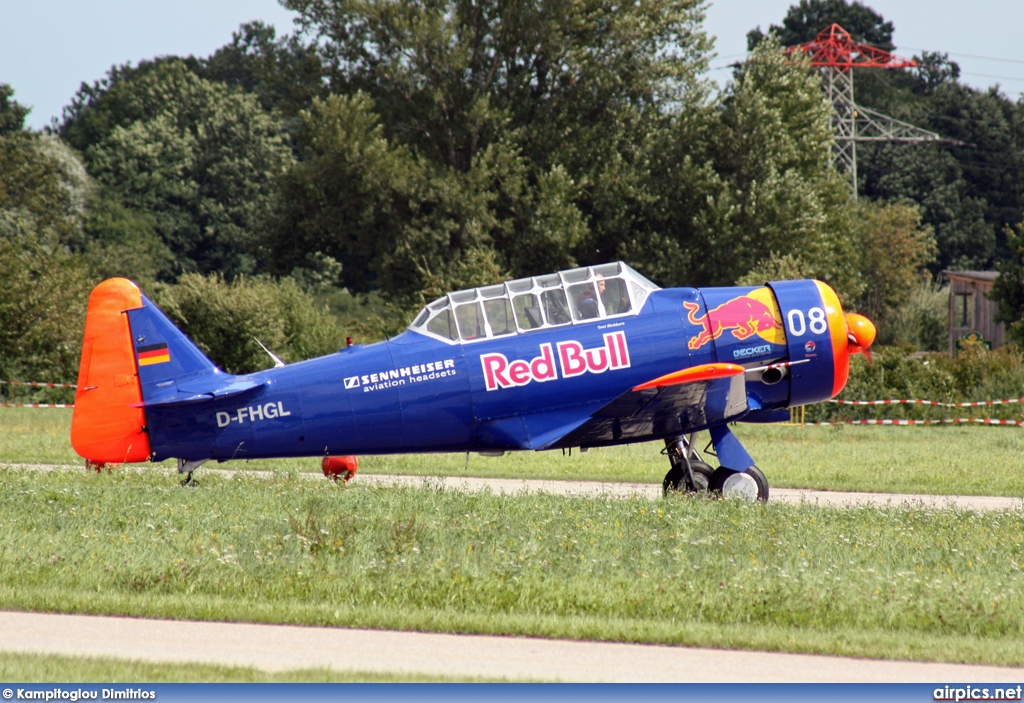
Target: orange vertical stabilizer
x,y
108,425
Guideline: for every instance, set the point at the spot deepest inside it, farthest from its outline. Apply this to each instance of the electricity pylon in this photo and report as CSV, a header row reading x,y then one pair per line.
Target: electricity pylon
x,y
836,54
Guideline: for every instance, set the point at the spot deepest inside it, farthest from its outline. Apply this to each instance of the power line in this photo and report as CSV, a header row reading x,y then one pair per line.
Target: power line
x,y
989,75
968,56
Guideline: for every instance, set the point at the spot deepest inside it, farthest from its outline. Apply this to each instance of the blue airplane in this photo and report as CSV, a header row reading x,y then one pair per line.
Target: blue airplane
x,y
589,357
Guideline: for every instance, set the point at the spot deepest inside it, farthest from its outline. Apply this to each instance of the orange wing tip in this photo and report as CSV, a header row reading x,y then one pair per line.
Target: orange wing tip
x,y
704,372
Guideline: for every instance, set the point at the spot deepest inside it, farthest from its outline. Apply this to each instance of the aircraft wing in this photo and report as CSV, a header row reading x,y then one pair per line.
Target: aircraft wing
x,y
673,404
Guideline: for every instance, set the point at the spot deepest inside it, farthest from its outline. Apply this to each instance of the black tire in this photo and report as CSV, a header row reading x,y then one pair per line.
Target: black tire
x,y
674,482
719,482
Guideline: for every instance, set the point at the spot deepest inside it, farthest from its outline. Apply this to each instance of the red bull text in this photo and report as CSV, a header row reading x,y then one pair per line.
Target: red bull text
x,y
573,360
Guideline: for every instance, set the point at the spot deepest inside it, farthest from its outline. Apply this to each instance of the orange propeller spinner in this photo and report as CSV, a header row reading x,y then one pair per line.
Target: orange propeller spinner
x,y
860,332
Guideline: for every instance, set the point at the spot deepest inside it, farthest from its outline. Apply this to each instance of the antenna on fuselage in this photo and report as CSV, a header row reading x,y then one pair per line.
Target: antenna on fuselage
x,y
277,362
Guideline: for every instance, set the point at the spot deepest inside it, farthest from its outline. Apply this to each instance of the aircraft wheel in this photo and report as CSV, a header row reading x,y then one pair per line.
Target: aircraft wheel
x,y
674,482
748,485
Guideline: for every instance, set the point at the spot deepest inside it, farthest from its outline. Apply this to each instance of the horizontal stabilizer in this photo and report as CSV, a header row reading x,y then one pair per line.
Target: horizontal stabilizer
x,y
200,390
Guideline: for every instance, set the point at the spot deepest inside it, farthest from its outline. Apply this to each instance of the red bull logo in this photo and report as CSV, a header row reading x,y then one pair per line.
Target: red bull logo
x,y
573,358
755,313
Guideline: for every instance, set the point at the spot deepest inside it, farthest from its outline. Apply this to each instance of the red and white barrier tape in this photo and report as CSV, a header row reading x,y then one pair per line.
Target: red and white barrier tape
x,y
976,420
970,404
38,384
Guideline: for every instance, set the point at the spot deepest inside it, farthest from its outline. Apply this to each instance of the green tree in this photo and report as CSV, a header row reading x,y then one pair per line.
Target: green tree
x,y
284,73
447,77
348,197
805,20
970,188
119,241
895,247
530,126
200,158
932,177
229,321
413,228
783,195
43,179
42,193
43,302
776,267
990,130
1008,289
12,115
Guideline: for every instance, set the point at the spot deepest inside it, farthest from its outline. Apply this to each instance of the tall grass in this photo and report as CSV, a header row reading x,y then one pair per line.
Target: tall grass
x,y
898,581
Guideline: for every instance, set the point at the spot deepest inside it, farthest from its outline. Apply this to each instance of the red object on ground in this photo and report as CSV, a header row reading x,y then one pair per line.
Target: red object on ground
x,y
340,467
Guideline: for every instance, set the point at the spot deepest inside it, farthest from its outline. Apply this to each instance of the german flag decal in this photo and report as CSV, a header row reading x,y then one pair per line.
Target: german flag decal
x,y
153,354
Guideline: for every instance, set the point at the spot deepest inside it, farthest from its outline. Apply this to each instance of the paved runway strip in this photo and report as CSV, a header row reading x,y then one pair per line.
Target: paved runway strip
x,y
284,647
621,490
626,490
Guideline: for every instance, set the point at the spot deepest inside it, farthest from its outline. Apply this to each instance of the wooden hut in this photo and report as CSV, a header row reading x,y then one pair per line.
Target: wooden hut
x,y
970,310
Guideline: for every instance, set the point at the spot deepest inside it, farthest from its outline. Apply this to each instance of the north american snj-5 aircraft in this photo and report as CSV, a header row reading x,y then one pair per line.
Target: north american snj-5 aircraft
x,y
590,357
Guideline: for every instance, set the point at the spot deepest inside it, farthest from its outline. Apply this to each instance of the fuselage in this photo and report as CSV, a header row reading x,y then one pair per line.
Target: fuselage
x,y
418,393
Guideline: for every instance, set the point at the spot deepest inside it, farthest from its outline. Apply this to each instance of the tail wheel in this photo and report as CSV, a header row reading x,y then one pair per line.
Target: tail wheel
x,y
748,485
674,482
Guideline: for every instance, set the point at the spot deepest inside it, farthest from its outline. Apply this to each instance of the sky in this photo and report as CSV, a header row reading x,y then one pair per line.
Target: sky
x,y
49,47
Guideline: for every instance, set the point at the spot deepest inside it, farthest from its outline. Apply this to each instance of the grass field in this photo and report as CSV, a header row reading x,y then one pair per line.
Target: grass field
x,y
969,460
53,668
876,582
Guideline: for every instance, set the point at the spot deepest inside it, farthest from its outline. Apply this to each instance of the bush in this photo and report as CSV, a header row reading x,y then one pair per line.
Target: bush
x,y
226,320
42,310
921,320
974,374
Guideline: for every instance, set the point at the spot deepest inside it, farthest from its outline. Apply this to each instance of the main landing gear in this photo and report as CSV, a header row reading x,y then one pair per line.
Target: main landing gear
x,y
691,474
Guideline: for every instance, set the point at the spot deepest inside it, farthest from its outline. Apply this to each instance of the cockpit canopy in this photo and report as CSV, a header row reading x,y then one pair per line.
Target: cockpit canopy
x,y
553,300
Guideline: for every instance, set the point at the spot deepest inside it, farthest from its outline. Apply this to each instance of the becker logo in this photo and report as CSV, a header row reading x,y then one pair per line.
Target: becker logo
x,y
573,360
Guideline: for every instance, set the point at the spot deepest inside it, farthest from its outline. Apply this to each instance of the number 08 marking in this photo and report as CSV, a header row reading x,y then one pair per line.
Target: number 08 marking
x,y
798,324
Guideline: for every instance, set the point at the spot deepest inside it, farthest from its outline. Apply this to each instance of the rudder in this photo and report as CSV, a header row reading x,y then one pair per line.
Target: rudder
x,y
133,357
108,422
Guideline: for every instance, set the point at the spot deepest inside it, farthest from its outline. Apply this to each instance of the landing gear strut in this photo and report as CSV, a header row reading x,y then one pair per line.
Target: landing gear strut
x,y
187,467
689,472
747,483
